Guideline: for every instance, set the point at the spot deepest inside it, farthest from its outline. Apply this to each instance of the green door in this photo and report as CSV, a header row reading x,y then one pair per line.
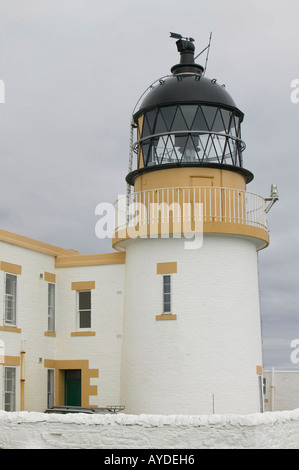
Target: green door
x,y
73,387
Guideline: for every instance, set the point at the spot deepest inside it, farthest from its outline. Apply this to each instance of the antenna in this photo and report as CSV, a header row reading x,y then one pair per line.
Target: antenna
x,y
208,47
201,52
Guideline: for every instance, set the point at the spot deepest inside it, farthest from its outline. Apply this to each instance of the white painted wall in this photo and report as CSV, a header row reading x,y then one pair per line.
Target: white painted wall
x,y
32,318
113,433
285,394
103,351
213,347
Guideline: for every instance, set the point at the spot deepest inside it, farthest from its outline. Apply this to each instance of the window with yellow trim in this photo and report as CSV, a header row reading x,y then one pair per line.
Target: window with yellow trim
x,y
166,293
51,307
10,304
9,389
84,308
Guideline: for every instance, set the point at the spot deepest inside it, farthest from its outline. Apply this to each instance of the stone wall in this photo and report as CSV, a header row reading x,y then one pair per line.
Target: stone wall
x,y
24,430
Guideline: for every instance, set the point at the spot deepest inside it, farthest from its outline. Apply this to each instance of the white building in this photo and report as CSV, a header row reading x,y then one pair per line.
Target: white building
x,y
61,311
281,389
90,330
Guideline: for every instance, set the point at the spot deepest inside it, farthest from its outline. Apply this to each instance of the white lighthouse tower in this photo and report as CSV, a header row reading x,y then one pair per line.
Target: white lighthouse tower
x,y
192,330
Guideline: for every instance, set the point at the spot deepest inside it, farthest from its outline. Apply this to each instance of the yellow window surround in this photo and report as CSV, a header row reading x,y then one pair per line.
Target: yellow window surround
x,y
50,277
83,333
259,370
12,361
83,285
87,390
10,268
166,316
167,268
12,329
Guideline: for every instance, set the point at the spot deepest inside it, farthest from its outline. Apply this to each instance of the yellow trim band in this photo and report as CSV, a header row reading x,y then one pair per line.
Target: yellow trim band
x,y
50,277
83,333
193,176
12,361
64,257
259,370
31,244
260,234
167,268
166,316
10,267
90,260
10,329
83,285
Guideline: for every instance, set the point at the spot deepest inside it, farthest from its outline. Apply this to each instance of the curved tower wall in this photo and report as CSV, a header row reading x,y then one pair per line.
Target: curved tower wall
x,y
204,358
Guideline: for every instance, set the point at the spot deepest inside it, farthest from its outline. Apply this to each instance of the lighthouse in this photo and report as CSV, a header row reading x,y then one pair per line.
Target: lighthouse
x,y
191,231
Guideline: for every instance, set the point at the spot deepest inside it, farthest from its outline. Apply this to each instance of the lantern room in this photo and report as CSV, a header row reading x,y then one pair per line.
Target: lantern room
x,y
187,119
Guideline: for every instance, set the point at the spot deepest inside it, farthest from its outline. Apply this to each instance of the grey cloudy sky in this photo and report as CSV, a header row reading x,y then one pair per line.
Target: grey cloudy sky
x,y
73,72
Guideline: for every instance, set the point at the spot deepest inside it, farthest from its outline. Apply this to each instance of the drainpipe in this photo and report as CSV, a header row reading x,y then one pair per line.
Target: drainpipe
x,y
272,387
23,352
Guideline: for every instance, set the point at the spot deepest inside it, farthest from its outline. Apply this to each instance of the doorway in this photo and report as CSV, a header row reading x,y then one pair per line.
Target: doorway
x,y
72,387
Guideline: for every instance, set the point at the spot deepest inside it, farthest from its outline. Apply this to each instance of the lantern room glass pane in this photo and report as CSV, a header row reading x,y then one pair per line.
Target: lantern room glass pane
x,y
191,133
210,115
160,125
226,115
234,126
149,123
168,115
147,155
199,122
145,130
188,148
218,124
179,123
189,112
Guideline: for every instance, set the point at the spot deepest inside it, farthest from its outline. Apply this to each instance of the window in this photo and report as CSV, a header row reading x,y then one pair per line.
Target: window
x,y
50,388
10,299
261,394
9,389
167,293
51,307
191,133
84,304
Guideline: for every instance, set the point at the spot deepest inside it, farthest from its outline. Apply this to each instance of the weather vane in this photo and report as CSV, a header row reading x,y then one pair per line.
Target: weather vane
x,y
179,36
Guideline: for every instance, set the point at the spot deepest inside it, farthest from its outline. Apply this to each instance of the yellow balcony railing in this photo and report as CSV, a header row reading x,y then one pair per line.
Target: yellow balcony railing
x,y
190,204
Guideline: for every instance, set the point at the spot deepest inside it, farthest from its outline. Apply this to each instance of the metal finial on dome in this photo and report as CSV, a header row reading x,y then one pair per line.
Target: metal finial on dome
x,y
186,49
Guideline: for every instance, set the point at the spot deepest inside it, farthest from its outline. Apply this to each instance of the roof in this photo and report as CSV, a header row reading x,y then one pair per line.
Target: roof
x,y
64,257
187,89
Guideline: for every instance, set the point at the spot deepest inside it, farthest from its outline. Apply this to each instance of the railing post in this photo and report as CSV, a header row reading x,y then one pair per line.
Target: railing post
x,y
250,210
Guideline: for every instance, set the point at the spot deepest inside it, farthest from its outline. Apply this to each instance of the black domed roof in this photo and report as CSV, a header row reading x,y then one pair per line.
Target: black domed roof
x,y
187,85
187,89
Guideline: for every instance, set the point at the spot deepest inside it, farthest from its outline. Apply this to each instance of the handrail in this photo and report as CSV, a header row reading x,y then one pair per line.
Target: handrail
x,y
217,204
